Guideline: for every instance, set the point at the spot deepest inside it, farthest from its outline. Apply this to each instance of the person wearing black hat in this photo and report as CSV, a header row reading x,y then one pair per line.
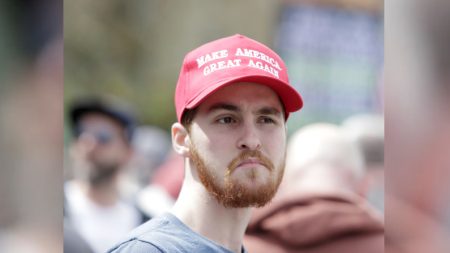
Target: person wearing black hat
x,y
101,148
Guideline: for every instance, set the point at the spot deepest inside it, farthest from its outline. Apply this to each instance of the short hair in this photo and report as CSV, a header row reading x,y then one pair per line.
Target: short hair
x,y
187,117
106,106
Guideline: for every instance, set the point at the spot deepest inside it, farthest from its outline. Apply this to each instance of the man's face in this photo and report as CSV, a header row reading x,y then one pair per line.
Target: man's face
x,y
101,149
238,141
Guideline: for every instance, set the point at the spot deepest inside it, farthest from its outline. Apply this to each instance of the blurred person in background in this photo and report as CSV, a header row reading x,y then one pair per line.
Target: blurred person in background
x,y
160,194
232,101
152,159
103,130
151,147
169,175
367,130
418,126
73,242
320,206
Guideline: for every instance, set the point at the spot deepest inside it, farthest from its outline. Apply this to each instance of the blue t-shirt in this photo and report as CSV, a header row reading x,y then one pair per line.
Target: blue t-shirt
x,y
167,234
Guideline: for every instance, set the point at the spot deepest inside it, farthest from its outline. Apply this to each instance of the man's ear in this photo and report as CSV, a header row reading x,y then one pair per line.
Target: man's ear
x,y
180,139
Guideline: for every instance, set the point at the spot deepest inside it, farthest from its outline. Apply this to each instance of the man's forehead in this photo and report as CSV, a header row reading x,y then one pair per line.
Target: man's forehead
x,y
263,109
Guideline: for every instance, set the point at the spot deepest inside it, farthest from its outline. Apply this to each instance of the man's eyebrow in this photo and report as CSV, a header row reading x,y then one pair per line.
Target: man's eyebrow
x,y
269,111
224,106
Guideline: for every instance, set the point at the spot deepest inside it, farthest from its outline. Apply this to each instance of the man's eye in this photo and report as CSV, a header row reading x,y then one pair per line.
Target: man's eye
x,y
266,120
226,120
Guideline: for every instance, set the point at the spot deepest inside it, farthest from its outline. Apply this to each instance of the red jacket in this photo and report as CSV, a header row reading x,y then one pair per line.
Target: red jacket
x,y
315,224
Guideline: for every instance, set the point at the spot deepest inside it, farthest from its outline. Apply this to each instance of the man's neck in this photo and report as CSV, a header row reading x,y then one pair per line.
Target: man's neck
x,y
201,212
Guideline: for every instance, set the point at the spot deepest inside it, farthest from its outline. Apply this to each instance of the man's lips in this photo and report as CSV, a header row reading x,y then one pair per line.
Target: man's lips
x,y
250,162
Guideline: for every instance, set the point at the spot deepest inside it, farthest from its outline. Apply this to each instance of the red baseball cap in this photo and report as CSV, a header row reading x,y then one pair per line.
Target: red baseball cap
x,y
229,60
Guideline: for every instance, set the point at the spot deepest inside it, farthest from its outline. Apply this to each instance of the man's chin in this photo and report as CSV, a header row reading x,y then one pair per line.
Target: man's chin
x,y
246,204
247,194
256,175
102,174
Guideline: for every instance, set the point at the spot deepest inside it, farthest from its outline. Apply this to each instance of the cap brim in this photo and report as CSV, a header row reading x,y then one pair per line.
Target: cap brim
x,y
289,96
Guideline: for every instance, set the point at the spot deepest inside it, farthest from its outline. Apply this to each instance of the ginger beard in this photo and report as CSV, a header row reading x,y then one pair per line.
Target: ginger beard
x,y
234,193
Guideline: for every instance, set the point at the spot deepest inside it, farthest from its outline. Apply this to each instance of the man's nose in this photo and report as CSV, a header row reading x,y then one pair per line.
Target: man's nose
x,y
87,142
249,137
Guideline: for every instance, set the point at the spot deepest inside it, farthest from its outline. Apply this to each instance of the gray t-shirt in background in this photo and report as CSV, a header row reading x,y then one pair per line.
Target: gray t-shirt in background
x,y
167,234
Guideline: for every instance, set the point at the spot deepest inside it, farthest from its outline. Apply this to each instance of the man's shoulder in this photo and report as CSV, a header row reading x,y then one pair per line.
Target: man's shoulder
x,y
166,234
134,245
154,229
156,235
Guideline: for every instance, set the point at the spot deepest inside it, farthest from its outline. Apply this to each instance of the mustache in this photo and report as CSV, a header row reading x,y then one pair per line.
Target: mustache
x,y
246,154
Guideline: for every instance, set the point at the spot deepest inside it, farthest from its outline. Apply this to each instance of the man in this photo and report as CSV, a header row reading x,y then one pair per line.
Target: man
x,y
101,149
232,101
319,207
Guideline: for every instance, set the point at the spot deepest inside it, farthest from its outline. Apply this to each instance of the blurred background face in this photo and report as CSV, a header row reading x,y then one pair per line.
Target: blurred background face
x,y
101,148
238,141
